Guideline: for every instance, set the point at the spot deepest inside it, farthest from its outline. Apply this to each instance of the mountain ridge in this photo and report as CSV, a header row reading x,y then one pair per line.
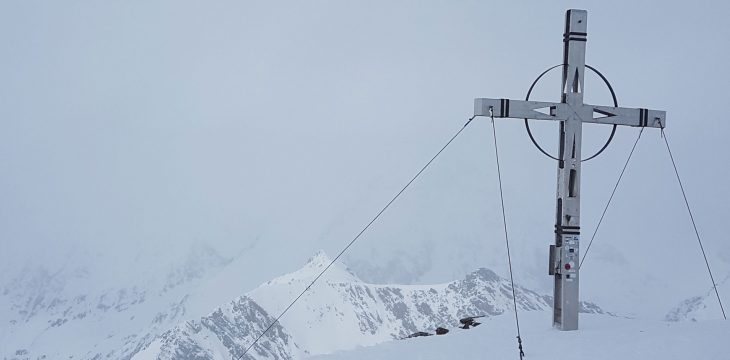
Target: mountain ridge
x,y
341,312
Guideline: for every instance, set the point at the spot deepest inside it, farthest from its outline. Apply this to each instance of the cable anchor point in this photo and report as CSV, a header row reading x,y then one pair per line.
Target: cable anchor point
x,y
519,346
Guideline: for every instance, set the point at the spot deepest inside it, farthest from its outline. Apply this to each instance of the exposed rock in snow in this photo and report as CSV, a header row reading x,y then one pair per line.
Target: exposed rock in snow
x,y
223,334
703,307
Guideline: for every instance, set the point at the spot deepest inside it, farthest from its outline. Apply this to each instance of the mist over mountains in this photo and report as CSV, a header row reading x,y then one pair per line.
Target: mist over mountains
x,y
160,162
179,314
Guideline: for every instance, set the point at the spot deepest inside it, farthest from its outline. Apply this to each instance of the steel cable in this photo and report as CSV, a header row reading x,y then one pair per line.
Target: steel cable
x,y
699,240
600,221
506,237
355,239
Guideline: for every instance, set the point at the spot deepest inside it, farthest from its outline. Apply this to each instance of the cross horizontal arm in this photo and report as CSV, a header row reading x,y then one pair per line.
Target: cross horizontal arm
x,y
625,116
519,109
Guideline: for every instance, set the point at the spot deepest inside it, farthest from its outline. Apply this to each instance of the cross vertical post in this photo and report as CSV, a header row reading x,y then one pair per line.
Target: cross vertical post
x,y
567,222
571,112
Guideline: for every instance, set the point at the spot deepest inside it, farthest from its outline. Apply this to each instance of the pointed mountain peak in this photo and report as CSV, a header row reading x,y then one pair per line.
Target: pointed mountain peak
x,y
338,272
320,259
485,275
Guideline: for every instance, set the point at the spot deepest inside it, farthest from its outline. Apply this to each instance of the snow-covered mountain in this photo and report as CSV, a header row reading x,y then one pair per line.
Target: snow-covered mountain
x,y
224,333
338,313
63,314
53,315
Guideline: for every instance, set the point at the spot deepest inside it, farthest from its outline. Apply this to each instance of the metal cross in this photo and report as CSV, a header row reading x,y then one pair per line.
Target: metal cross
x,y
572,113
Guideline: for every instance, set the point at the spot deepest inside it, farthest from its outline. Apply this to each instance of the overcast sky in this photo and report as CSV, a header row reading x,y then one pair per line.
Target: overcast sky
x,y
142,127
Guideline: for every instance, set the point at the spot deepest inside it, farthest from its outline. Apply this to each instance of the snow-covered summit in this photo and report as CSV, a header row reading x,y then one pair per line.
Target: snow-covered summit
x,y
337,272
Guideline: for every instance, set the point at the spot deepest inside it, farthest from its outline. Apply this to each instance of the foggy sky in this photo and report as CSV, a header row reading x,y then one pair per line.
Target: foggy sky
x,y
140,128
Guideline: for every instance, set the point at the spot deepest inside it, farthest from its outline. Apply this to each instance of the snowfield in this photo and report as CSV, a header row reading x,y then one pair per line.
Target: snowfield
x,y
599,337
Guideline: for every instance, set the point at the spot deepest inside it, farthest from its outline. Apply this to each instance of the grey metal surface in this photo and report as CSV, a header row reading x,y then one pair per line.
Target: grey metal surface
x,y
572,113
565,292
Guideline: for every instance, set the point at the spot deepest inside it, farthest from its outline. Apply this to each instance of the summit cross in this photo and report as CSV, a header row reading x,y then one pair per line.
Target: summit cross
x,y
571,112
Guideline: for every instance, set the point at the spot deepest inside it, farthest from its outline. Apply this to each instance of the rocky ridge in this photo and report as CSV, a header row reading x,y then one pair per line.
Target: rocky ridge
x,y
340,312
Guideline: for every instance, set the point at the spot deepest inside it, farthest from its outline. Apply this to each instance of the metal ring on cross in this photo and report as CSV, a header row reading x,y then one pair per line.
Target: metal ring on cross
x,y
615,104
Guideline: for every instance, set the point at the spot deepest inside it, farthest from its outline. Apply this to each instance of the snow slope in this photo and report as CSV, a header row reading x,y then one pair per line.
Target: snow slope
x,y
600,337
